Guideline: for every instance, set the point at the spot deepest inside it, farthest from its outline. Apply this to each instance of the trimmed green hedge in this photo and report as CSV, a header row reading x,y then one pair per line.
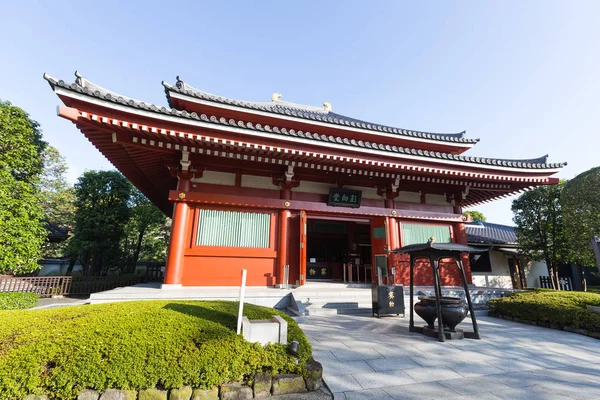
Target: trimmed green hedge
x,y
132,345
551,306
17,301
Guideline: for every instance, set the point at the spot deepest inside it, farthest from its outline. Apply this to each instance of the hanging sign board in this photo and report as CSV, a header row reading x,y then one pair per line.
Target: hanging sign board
x,y
344,197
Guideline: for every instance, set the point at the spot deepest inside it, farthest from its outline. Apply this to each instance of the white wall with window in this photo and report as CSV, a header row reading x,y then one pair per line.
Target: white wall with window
x,y
490,269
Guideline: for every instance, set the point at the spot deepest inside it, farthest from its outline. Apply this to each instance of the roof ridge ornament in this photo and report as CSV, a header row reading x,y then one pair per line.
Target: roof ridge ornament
x,y
327,106
180,83
79,79
276,96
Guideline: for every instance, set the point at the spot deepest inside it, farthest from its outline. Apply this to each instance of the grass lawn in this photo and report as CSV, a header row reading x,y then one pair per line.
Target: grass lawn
x,y
134,345
594,289
551,306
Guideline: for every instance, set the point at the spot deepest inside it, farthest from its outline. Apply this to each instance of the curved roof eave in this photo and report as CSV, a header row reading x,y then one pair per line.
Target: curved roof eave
x,y
97,92
310,114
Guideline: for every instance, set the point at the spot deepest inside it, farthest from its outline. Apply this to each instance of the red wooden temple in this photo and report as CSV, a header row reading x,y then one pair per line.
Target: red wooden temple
x,y
289,191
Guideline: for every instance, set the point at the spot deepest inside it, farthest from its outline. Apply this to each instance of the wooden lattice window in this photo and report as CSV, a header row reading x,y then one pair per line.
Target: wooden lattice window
x,y
233,229
420,233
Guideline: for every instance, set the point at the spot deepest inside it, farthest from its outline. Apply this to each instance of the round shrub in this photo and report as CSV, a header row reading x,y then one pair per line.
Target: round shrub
x,y
134,345
17,301
551,306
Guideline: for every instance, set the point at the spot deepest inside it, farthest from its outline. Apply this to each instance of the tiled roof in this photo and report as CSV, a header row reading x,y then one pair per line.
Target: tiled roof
x,y
488,233
88,88
311,113
56,233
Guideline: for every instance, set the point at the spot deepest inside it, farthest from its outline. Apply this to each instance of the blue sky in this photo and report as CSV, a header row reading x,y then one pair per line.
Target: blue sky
x,y
523,76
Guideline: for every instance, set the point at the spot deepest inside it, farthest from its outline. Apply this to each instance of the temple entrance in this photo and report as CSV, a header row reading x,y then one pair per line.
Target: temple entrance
x,y
338,250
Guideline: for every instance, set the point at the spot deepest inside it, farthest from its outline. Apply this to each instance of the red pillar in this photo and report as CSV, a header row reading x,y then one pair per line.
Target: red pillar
x,y
393,244
284,215
460,236
286,193
179,231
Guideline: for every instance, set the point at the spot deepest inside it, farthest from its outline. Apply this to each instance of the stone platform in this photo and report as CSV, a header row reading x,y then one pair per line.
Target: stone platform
x,y
314,298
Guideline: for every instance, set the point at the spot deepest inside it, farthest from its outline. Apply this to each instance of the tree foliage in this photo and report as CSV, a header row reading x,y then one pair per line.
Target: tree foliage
x,y
102,202
57,199
21,217
115,225
146,233
476,216
581,207
540,227
21,144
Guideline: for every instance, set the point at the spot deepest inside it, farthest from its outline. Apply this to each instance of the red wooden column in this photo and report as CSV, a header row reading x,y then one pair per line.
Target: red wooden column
x,y
179,231
460,236
394,244
282,250
388,195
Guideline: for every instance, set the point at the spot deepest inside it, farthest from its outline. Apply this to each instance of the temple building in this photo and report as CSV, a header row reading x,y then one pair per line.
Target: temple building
x,y
289,192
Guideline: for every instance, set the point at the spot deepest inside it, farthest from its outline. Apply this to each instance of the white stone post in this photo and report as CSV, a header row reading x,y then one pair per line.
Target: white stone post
x,y
241,309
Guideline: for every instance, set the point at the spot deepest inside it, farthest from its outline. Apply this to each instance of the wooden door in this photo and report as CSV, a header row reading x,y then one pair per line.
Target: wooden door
x,y
515,275
302,247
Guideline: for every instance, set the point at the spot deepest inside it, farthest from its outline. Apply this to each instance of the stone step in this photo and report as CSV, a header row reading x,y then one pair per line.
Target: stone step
x,y
355,311
320,311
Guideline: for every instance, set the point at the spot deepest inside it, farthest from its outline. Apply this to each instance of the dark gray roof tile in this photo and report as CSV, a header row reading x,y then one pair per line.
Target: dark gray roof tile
x,y
488,233
312,113
92,90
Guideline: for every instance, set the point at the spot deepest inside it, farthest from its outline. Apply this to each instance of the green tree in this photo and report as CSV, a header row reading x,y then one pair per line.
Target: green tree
x,y
102,202
145,234
476,216
57,199
21,217
539,227
581,207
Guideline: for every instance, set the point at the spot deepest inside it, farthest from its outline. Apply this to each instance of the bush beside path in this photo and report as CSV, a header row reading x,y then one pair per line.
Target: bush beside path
x,y
132,345
554,308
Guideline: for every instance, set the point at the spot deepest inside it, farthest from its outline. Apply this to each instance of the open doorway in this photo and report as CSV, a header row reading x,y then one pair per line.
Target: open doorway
x,y
338,251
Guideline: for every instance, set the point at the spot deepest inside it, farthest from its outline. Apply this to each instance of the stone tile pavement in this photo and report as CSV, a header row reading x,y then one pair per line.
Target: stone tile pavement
x,y
370,358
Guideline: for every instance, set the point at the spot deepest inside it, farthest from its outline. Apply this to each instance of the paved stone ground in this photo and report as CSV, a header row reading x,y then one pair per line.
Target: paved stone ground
x,y
53,302
370,358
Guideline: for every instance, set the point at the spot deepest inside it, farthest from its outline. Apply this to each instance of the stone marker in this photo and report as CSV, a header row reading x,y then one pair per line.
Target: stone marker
x,y
205,394
114,394
88,395
262,386
287,383
314,372
235,391
184,393
152,394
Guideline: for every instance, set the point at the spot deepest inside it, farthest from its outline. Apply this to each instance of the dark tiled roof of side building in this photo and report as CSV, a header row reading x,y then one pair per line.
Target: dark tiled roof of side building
x,y
311,113
90,89
488,233
56,233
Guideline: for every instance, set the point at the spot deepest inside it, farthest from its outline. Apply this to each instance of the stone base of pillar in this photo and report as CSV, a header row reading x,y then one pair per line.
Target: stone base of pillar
x,y
170,286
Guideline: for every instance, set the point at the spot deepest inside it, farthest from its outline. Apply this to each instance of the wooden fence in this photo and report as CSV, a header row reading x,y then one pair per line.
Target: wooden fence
x,y
46,286
564,283
68,285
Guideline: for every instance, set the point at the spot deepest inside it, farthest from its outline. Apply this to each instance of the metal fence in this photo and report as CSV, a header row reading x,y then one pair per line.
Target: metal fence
x,y
67,285
46,286
564,283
